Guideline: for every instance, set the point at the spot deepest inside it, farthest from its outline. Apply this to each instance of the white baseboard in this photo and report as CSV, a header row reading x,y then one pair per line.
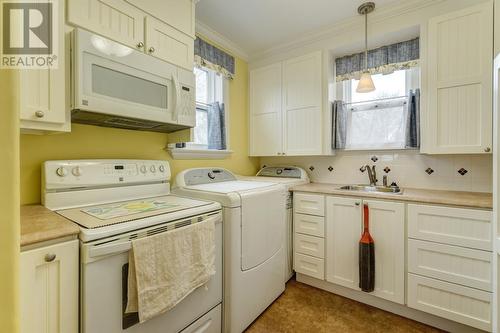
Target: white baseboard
x,y
398,309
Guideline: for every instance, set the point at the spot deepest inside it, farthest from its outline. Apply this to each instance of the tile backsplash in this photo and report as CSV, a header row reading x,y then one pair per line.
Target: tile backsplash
x,y
406,168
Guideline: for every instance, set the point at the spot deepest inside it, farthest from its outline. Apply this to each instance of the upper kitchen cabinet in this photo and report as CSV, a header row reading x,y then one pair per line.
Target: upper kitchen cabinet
x,y
43,93
164,29
286,107
302,105
115,19
266,127
458,114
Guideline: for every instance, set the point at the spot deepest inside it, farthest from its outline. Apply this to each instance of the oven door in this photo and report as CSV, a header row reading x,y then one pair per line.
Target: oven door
x,y
113,79
104,291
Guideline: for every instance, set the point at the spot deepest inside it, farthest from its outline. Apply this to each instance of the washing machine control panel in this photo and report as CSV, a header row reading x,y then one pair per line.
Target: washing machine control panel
x,y
285,172
207,175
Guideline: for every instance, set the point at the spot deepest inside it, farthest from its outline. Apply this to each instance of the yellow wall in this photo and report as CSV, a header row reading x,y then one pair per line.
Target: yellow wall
x,y
98,142
9,203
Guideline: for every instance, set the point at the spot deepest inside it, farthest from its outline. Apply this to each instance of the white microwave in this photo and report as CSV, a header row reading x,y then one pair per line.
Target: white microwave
x,y
116,86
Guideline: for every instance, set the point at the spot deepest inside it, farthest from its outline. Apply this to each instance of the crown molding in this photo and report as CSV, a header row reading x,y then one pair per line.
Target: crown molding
x,y
205,31
379,15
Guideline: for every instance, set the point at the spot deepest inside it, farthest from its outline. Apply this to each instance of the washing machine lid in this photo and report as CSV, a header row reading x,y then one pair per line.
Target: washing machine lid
x,y
230,186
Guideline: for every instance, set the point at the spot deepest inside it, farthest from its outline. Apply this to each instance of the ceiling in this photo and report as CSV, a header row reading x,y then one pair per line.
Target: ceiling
x,y
258,25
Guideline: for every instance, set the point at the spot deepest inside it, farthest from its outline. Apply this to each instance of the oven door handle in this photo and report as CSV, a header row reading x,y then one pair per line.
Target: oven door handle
x,y
104,250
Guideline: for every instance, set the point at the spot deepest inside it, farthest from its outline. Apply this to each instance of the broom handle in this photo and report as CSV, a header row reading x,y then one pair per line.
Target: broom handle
x,y
366,217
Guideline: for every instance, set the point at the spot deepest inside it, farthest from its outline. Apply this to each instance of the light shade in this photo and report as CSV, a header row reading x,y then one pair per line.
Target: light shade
x,y
365,84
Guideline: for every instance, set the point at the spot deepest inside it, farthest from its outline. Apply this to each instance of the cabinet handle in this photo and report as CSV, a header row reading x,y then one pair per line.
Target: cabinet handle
x,y
151,49
39,114
357,203
487,149
140,45
50,257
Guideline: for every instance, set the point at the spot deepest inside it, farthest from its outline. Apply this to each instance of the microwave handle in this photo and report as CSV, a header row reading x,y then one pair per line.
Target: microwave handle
x,y
177,97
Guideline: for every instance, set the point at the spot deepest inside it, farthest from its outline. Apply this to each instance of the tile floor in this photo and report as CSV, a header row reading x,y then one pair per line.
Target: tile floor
x,y
305,309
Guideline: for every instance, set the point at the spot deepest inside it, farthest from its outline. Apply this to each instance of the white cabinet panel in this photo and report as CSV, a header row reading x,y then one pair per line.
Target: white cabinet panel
x,y
458,303
266,128
454,226
312,204
114,19
43,93
310,245
180,14
49,289
302,82
387,227
459,72
343,231
167,43
455,264
309,225
310,266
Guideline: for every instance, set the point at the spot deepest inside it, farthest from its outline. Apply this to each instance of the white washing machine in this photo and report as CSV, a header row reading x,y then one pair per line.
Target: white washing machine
x,y
254,251
289,176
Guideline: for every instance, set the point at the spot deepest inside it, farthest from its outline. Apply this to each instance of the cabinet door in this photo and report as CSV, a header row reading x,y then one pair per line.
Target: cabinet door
x,y
43,91
343,231
460,53
265,111
167,43
114,19
387,227
302,105
49,289
177,13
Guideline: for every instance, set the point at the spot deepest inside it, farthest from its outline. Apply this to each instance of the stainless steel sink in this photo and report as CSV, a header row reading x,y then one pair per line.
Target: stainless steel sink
x,y
368,188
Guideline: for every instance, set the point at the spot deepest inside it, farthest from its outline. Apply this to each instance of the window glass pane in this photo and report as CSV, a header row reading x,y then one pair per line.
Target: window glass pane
x,y
390,85
201,129
201,85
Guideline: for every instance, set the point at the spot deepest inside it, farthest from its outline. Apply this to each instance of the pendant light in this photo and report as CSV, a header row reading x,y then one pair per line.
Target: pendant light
x,y
365,84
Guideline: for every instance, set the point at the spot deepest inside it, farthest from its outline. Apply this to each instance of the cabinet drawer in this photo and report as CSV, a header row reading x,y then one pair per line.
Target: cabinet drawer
x,y
309,225
310,245
309,204
455,264
451,301
308,265
454,226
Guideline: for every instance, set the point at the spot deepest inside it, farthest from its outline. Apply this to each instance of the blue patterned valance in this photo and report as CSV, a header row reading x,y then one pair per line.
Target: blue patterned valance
x,y
385,59
207,55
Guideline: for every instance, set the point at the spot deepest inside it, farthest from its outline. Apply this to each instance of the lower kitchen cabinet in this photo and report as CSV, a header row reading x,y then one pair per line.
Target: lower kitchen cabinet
x,y
344,218
49,289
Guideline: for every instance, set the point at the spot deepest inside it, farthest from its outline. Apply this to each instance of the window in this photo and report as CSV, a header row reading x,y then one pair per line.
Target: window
x,y
209,89
377,120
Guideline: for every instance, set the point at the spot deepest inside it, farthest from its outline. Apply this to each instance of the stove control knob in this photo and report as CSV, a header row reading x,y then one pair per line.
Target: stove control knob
x,y
161,168
62,172
152,169
76,171
144,169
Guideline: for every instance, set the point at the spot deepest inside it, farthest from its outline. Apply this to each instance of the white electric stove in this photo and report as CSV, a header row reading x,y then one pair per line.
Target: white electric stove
x,y
114,202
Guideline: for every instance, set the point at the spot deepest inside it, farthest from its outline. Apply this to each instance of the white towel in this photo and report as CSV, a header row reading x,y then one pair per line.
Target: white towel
x,y
165,268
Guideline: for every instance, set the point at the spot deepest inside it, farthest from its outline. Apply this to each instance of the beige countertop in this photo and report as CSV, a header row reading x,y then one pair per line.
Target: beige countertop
x,y
38,224
452,198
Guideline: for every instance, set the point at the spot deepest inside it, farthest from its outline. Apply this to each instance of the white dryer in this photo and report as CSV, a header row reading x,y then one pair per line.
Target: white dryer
x,y
289,176
254,227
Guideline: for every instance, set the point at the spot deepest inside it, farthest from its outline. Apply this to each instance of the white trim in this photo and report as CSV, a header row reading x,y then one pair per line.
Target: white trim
x,y
205,31
199,154
380,15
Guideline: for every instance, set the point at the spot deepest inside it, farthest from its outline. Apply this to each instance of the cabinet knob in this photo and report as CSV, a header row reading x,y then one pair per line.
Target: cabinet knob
x,y
50,257
140,45
151,49
357,203
487,149
39,114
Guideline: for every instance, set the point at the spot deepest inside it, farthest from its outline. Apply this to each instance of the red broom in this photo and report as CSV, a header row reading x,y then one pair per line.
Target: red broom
x,y
366,256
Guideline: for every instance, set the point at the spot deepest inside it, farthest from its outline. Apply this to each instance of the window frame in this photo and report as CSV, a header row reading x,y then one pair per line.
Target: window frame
x,y
215,92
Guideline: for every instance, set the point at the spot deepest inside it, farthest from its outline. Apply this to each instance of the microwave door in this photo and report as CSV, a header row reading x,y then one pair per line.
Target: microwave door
x,y
117,88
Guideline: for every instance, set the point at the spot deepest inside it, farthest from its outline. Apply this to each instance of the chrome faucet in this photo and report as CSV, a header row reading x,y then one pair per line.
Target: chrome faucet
x,y
372,174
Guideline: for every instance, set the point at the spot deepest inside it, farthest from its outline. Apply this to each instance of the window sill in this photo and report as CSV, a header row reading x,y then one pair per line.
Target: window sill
x,y
199,154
